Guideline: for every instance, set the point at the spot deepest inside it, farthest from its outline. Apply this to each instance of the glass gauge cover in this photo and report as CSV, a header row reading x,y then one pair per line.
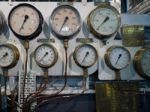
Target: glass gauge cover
x,y
142,62
65,21
45,55
85,55
25,21
117,57
9,56
104,21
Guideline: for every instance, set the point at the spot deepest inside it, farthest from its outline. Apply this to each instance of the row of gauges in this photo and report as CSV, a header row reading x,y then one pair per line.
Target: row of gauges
x,y
85,55
26,21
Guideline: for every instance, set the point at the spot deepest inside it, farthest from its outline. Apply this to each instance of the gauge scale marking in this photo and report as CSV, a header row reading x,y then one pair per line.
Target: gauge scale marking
x,y
45,55
65,21
85,55
142,62
104,21
25,21
9,55
117,57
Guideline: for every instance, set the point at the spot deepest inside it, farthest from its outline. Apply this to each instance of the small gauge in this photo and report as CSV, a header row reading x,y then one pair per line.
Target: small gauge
x,y
25,21
142,62
117,57
85,55
9,56
65,21
45,55
104,21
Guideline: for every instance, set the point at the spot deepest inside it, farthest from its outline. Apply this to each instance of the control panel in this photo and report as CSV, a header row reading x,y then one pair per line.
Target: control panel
x,y
52,48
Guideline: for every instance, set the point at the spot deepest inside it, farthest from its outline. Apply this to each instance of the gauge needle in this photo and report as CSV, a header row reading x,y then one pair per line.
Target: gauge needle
x,y
118,58
87,53
26,17
65,20
6,54
105,20
44,56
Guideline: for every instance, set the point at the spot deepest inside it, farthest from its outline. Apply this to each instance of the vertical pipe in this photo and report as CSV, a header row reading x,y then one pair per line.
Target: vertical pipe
x,y
124,6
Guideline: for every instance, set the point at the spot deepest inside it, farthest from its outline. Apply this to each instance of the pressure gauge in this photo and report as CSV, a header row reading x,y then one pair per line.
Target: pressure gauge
x,y
45,55
85,55
25,21
142,62
117,57
65,21
104,21
9,55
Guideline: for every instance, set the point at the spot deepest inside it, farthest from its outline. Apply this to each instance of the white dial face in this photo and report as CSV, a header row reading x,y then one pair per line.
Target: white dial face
x,y
6,56
105,21
24,20
119,57
86,55
45,55
65,20
145,62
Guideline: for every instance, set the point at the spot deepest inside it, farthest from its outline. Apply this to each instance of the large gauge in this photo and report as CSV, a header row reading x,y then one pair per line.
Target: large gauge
x,y
104,21
45,55
117,57
142,62
85,55
9,55
25,21
65,21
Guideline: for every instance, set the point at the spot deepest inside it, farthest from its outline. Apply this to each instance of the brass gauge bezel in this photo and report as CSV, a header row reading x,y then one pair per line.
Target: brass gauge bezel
x,y
16,55
91,28
55,53
75,58
55,32
137,63
107,57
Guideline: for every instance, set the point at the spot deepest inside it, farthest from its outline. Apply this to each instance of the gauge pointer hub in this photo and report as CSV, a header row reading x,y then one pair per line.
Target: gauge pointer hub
x,y
105,20
6,54
87,53
65,20
118,58
44,56
26,17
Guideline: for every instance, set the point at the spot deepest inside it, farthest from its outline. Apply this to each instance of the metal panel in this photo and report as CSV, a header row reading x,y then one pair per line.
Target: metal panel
x,y
116,97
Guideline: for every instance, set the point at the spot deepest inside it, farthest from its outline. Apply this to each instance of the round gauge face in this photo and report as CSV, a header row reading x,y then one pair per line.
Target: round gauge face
x,y
145,62
117,57
142,62
9,55
45,55
25,21
85,55
65,21
104,21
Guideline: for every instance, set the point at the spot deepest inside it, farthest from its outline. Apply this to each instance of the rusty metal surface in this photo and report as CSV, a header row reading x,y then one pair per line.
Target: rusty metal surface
x,y
133,36
116,97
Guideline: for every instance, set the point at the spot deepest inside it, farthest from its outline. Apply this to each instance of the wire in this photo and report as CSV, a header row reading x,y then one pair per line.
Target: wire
x,y
41,88
27,107
13,97
26,45
85,72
